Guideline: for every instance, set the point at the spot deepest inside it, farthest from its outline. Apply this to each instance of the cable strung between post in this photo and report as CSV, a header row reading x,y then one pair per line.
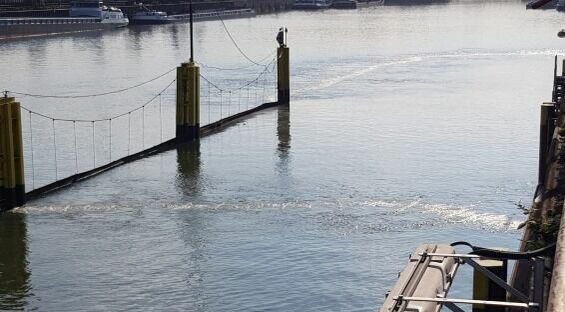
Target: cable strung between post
x,y
91,95
266,70
31,144
235,43
103,119
242,67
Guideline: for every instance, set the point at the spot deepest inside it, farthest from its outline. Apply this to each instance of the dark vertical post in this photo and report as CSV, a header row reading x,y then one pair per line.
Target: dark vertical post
x,y
18,154
9,175
545,121
188,102
554,93
188,94
191,33
3,157
283,74
539,281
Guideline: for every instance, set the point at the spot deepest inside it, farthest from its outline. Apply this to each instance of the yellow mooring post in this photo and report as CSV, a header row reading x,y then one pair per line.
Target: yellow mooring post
x,y
188,102
12,186
485,289
18,154
283,74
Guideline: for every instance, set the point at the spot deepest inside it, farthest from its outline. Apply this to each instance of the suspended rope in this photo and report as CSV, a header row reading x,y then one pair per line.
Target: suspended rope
x,y
90,95
110,139
93,145
103,119
266,70
236,45
129,132
242,67
161,117
55,148
31,144
76,149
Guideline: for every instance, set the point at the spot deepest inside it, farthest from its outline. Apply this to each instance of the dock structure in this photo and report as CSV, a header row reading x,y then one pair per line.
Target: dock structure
x,y
545,227
549,201
202,108
556,299
537,282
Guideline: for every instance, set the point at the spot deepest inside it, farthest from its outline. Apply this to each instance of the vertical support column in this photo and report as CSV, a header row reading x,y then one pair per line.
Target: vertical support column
x,y
3,157
486,289
538,283
544,139
9,176
283,74
194,109
188,102
18,154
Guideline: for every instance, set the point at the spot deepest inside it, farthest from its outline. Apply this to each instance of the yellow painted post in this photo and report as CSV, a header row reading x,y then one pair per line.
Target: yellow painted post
x,y
194,108
283,74
2,157
8,172
182,87
18,154
188,102
486,289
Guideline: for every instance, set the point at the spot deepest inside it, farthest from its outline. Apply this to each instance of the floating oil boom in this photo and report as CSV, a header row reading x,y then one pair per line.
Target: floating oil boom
x,y
424,283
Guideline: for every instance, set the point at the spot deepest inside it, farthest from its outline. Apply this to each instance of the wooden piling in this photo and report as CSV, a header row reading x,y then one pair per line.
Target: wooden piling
x,y
545,136
18,154
12,186
283,74
188,102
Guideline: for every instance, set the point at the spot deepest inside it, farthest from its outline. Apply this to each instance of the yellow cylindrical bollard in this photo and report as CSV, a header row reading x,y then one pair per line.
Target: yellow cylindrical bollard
x,y
193,105
2,157
195,121
9,174
182,87
283,74
188,102
486,289
18,154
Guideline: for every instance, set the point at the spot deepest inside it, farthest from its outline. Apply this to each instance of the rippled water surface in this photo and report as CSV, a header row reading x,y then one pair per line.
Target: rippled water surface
x,y
407,125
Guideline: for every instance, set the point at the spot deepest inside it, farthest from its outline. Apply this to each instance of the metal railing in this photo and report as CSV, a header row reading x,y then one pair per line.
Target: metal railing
x,y
12,21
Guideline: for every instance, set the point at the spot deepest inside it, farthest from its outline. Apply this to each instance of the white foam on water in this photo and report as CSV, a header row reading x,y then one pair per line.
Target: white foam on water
x,y
419,210
329,82
468,215
359,72
35,209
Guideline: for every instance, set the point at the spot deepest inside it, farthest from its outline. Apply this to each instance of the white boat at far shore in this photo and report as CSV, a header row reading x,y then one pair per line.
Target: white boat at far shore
x,y
86,15
149,16
311,4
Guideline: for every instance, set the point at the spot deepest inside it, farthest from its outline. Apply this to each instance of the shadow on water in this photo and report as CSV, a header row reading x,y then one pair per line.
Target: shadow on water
x,y
188,164
15,284
283,134
193,221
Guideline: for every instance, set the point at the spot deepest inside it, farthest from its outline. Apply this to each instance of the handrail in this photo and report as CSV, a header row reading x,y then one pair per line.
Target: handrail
x,y
46,20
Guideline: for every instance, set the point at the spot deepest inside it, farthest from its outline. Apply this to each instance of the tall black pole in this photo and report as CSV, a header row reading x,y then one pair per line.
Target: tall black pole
x,y
191,34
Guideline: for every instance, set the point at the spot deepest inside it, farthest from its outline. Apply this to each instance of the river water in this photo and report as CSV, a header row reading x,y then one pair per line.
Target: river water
x,y
407,125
